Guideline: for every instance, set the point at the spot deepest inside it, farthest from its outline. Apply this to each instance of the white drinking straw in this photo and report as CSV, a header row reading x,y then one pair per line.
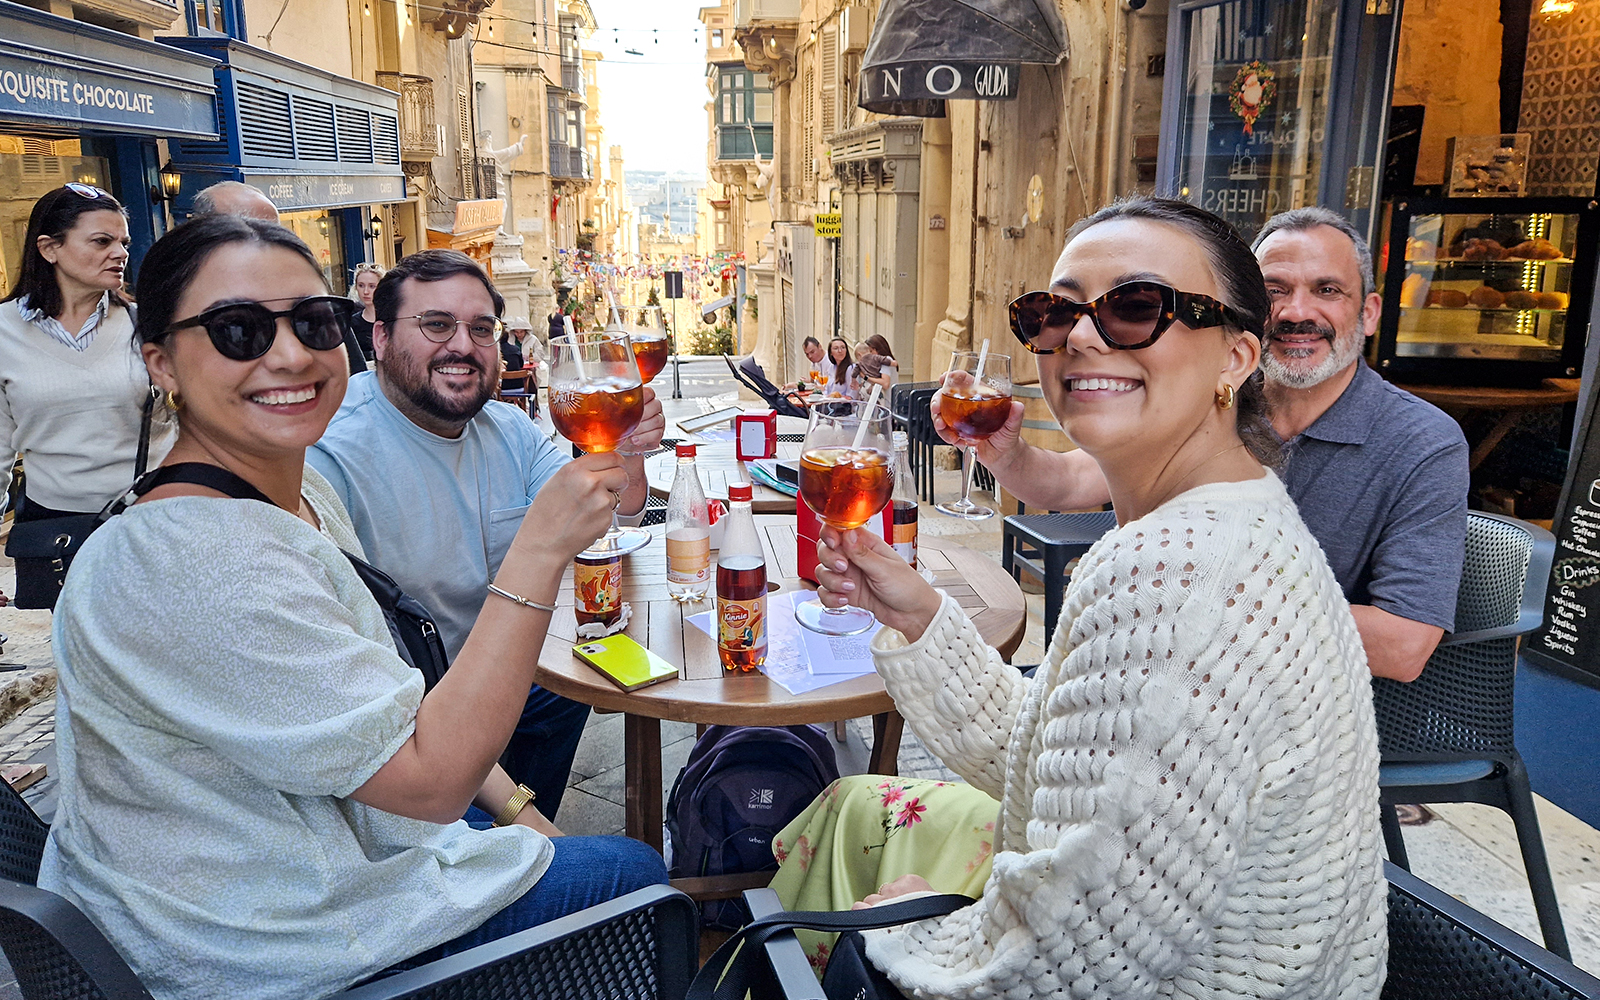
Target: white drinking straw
x,y
866,414
577,349
983,355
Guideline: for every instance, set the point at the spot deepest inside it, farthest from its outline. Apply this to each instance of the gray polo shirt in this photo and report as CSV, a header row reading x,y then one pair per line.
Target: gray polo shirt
x,y
1381,480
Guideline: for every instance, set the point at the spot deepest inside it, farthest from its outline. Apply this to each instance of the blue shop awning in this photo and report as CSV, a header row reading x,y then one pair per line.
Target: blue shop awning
x,y
305,136
925,52
57,73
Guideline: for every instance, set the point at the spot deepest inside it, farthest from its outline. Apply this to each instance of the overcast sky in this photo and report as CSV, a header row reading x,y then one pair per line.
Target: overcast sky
x,y
653,104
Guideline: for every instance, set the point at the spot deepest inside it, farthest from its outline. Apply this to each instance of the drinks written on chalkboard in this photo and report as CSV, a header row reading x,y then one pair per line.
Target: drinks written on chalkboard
x,y
1569,639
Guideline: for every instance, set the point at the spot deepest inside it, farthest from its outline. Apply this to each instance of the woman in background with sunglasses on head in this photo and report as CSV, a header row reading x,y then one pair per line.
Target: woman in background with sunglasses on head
x,y
1187,787
72,387
257,800
362,285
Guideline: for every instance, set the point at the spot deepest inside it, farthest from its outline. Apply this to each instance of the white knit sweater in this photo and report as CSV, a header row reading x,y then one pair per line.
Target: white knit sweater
x,y
73,416
1188,786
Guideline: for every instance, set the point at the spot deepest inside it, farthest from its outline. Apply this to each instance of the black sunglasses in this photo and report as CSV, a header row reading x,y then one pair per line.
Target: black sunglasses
x,y
1130,316
244,331
88,191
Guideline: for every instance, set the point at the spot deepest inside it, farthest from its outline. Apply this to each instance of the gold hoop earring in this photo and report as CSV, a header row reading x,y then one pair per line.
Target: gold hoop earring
x,y
174,401
1225,397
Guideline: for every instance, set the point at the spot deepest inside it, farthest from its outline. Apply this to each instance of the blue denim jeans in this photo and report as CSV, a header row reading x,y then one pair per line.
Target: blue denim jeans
x,y
540,752
584,872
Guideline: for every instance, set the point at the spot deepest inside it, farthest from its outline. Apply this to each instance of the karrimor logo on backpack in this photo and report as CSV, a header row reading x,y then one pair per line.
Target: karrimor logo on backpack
x,y
742,785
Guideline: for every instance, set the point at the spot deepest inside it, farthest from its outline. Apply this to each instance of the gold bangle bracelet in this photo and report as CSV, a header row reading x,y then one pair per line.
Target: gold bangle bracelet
x,y
518,599
514,806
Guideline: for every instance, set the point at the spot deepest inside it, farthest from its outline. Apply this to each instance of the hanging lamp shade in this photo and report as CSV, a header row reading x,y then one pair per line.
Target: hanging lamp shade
x,y
924,52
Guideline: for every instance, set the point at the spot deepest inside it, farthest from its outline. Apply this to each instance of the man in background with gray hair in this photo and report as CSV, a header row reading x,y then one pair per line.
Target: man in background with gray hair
x,y
234,198
1380,476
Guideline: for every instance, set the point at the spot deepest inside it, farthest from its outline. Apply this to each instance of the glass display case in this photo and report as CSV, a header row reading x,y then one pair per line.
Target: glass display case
x,y
1486,291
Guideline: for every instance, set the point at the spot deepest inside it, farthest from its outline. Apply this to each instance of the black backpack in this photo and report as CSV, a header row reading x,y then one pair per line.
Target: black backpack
x,y
740,787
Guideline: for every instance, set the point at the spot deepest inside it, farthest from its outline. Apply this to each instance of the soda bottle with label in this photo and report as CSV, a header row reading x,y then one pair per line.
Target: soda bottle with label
x,y
597,589
688,532
904,501
741,588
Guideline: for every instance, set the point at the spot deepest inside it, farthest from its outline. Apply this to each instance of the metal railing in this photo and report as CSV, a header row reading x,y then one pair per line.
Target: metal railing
x,y
419,126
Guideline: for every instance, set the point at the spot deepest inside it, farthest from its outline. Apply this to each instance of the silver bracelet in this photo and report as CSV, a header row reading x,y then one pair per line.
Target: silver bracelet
x,y
516,599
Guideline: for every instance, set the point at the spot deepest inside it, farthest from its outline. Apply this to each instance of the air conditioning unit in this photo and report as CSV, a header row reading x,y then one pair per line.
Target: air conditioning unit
x,y
855,26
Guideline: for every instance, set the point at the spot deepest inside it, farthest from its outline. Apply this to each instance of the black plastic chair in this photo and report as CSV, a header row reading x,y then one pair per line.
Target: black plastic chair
x,y
1439,949
1043,545
750,375
642,946
922,439
1447,736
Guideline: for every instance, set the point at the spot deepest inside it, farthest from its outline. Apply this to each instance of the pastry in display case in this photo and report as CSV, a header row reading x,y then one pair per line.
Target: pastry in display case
x,y
1486,292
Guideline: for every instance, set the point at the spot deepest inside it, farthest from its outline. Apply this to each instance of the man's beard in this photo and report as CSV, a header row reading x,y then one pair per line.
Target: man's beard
x,y
415,381
1296,373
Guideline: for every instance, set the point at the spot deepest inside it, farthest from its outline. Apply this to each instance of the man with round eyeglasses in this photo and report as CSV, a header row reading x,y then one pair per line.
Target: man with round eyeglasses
x,y
437,475
1380,476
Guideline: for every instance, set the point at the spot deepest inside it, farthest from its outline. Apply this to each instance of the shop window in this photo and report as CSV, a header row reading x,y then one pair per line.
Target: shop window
x,y
29,168
1253,123
323,232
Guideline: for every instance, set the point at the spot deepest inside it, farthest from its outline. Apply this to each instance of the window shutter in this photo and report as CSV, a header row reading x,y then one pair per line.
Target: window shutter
x,y
829,43
464,135
808,122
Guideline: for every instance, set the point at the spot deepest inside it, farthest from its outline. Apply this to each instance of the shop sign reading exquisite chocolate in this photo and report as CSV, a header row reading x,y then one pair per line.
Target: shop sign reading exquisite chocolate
x,y
155,94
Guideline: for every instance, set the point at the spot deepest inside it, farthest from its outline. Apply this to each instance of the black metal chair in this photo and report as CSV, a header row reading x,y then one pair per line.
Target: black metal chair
x,y
922,439
750,375
1448,735
1442,949
1043,545
1439,949
642,946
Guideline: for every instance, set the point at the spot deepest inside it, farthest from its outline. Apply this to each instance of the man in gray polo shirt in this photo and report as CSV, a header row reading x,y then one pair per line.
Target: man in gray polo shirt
x,y
1380,476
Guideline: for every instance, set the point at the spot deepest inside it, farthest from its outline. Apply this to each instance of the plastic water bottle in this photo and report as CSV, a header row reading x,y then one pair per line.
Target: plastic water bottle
x,y
688,532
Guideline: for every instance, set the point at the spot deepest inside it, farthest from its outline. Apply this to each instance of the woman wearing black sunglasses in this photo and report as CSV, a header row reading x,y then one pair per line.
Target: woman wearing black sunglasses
x,y
257,799
72,387
1187,795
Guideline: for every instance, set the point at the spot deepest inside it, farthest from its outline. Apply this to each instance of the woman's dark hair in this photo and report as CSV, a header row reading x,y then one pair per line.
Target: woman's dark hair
x,y
176,258
841,367
879,345
53,216
427,265
1239,274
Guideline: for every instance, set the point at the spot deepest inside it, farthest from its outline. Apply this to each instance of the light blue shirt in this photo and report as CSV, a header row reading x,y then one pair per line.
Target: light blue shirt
x,y
226,682
437,514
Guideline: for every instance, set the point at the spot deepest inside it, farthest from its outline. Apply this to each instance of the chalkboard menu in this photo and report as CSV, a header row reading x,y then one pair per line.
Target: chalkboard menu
x,y
1569,639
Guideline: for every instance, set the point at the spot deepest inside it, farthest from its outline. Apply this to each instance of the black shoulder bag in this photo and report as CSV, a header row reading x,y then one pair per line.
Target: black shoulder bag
x,y
738,965
415,635
43,550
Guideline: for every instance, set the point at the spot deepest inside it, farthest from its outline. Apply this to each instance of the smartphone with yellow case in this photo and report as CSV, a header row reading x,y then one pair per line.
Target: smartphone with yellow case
x,y
628,665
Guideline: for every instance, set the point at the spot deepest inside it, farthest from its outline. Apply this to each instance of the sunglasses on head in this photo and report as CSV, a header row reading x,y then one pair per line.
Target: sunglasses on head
x,y
244,331
88,191
1130,316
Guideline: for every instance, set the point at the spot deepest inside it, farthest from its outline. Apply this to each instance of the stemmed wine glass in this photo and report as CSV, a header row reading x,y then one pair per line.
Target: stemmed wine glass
x,y
975,401
596,400
649,350
846,476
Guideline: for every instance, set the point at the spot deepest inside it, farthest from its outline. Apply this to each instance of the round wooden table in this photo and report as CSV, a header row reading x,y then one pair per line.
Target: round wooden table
x,y
702,694
1512,403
